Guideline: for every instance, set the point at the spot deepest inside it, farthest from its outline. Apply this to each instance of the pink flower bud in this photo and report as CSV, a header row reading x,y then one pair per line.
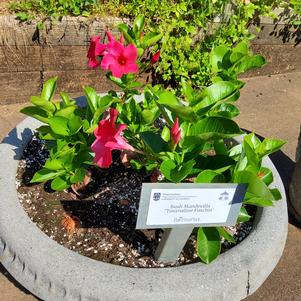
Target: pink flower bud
x,y
175,132
155,57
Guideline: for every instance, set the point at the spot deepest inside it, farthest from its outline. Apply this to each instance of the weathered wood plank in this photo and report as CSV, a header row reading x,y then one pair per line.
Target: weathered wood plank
x,y
18,86
64,58
20,58
14,33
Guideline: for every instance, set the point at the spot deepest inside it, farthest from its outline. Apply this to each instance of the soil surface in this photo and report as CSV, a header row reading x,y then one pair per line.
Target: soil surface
x,y
100,223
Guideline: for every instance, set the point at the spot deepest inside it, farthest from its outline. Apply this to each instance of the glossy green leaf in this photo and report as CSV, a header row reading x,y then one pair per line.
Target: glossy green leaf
x,y
176,173
59,125
138,25
226,235
78,175
66,111
45,174
53,164
127,33
243,216
260,202
276,194
92,98
154,141
74,124
266,175
209,176
269,146
215,128
208,244
49,88
59,184
151,39
255,186
217,56
43,104
36,113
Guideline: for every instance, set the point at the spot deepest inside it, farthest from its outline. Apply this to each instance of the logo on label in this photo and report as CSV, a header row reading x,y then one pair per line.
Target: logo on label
x,y
156,196
224,196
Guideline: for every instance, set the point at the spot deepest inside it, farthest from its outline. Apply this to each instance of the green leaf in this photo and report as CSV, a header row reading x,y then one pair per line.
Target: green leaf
x,y
176,173
248,62
165,134
36,113
218,91
276,194
243,216
78,175
252,140
151,39
215,128
49,88
53,164
154,141
74,124
127,33
217,56
260,202
226,235
226,110
266,175
252,157
92,98
208,244
209,176
269,146
187,90
59,125
59,184
45,174
255,186
66,111
43,104
138,25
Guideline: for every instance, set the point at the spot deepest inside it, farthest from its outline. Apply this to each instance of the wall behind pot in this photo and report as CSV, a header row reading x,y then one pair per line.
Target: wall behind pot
x,y
29,56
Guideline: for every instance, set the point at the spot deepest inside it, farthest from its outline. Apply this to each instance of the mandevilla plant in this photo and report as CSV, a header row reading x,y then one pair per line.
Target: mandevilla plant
x,y
186,138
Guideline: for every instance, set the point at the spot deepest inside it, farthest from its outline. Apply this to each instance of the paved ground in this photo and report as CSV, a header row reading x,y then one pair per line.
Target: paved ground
x,y
270,106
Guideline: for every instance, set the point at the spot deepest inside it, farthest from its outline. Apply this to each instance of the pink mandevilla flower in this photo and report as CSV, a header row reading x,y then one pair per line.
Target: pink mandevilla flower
x,y
155,57
108,138
96,49
120,59
175,132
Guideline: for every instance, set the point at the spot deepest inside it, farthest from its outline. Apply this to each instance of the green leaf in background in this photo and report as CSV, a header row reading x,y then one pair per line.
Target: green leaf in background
x,y
66,111
252,140
208,244
165,134
255,186
209,176
127,33
49,88
269,146
150,39
138,25
276,194
248,62
74,124
59,125
266,175
154,142
225,234
217,58
243,216
59,184
36,113
92,98
260,202
45,174
176,173
215,128
43,104
53,164
78,175
226,110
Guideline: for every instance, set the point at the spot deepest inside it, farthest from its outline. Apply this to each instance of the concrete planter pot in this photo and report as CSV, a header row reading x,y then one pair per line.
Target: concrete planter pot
x,y
55,273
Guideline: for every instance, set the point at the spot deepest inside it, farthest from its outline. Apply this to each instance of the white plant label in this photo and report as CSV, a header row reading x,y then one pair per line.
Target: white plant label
x,y
189,204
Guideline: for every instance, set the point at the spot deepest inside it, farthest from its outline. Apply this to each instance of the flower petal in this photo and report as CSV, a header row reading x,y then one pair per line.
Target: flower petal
x,y
131,53
103,155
